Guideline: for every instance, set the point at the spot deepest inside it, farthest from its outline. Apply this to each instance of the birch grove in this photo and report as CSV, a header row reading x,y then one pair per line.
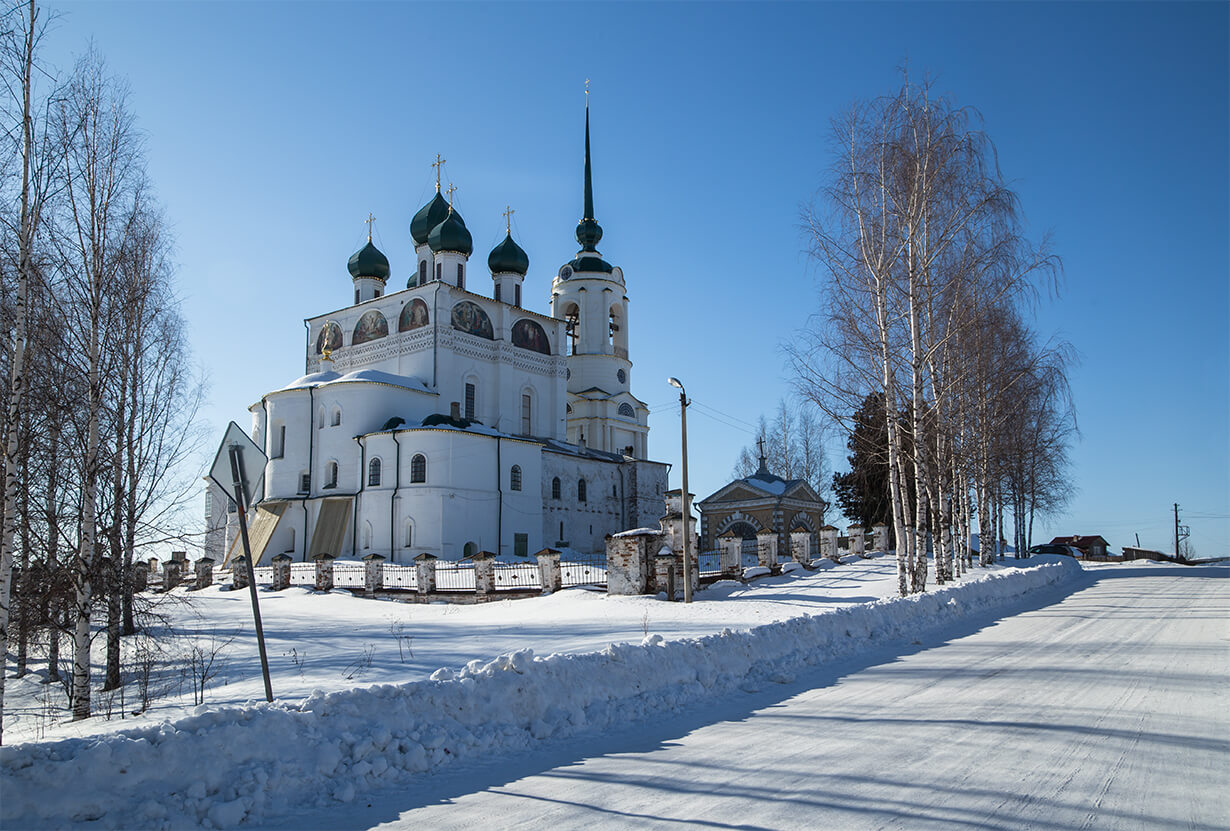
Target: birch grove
x,y
101,393
927,279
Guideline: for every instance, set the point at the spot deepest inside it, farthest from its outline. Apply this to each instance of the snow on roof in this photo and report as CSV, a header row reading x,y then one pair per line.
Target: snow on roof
x,y
772,484
316,379
638,532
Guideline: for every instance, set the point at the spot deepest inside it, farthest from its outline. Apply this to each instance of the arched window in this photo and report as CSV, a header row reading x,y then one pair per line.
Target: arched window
x,y
471,396
408,534
626,410
367,535
581,491
320,416
418,468
331,475
373,473
514,478
555,488
336,418
469,550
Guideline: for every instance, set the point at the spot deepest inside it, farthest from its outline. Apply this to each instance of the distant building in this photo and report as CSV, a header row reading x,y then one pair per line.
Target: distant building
x,y
1090,546
762,502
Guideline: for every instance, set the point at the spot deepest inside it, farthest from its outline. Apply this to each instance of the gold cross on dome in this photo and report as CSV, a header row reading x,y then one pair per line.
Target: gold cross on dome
x,y
437,164
587,89
451,190
370,220
508,212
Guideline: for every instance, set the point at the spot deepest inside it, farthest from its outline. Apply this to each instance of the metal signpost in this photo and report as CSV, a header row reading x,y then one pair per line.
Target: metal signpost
x,y
237,455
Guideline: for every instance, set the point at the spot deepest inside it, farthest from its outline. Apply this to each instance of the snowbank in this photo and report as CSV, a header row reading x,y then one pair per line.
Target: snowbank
x,y
223,767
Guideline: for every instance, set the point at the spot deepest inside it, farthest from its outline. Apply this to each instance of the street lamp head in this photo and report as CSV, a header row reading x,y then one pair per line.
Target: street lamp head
x,y
674,382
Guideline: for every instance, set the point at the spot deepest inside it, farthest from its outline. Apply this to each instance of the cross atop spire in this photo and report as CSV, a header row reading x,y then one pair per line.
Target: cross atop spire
x,y
451,190
764,468
370,220
437,164
508,212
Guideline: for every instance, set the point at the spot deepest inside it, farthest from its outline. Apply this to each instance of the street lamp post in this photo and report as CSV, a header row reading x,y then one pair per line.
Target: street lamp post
x,y
687,506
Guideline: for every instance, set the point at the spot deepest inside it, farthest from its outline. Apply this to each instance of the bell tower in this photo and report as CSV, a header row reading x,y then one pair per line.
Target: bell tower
x,y
589,295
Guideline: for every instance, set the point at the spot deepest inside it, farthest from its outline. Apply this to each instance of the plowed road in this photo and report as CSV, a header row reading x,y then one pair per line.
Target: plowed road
x,y
1106,708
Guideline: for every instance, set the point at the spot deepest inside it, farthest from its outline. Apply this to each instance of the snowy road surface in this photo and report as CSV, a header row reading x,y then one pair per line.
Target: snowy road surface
x,y
1107,709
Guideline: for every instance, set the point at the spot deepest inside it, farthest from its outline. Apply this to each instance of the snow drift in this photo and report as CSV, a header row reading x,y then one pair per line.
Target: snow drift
x,y
222,767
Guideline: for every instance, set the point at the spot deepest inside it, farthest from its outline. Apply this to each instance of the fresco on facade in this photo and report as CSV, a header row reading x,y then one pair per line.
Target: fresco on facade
x,y
372,326
413,316
330,337
469,317
529,335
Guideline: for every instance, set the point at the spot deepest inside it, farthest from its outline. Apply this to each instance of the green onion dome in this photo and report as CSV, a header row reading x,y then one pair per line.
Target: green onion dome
x,y
508,257
368,262
451,235
428,217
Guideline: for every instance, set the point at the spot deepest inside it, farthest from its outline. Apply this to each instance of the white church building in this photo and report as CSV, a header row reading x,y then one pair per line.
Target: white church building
x,y
445,418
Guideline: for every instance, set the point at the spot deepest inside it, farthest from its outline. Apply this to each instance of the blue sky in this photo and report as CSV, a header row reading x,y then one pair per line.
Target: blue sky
x,y
273,129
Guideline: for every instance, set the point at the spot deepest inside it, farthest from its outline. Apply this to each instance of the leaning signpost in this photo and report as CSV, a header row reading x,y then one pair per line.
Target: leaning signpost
x,y
237,455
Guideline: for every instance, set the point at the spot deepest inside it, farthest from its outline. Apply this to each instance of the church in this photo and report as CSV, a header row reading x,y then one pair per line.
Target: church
x,y
445,418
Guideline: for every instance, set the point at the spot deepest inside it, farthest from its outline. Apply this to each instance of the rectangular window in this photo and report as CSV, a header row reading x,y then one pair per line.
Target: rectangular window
x,y
517,295
439,271
422,272
470,401
521,545
209,503
527,422
461,276
497,291
356,295
279,441
305,482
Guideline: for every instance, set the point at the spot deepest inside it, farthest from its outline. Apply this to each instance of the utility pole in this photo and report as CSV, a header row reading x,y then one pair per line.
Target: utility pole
x,y
685,502
1181,532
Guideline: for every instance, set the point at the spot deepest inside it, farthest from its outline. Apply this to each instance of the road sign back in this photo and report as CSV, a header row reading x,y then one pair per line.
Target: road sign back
x,y
251,466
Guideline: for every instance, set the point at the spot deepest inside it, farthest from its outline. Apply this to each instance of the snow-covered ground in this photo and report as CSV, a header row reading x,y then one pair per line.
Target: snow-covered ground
x,y
1104,709
337,641
574,664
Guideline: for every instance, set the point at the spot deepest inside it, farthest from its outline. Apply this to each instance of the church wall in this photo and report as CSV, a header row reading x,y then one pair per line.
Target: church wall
x,y
619,496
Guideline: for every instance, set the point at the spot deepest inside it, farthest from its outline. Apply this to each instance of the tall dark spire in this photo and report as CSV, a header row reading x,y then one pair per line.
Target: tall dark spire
x,y
589,180
589,232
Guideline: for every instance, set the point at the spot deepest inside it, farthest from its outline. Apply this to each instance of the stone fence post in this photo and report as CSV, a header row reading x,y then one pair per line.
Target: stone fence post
x,y
281,572
664,572
484,573
140,577
425,573
828,542
239,572
766,549
204,572
549,575
855,535
732,554
800,546
629,561
879,537
324,572
373,573
172,573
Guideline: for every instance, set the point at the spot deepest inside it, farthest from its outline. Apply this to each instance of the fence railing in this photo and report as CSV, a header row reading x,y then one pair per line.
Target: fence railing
x,y
583,571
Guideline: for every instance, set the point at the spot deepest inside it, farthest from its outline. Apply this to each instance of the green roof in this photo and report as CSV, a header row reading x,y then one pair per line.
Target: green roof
x,y
368,262
508,257
451,235
428,217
